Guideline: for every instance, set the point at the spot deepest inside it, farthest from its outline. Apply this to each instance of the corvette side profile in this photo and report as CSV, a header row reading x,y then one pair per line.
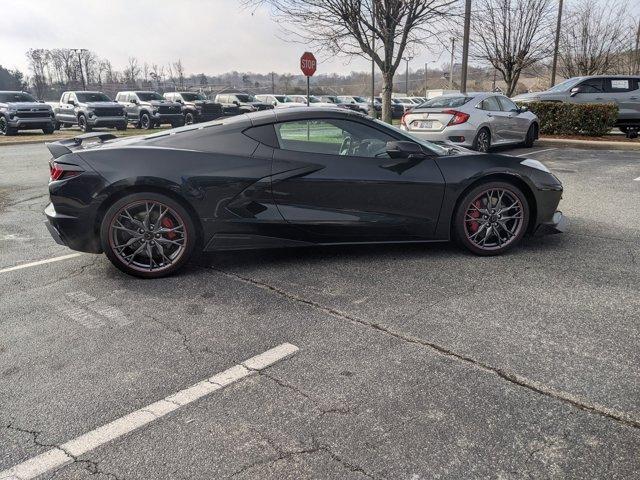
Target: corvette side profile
x,y
286,178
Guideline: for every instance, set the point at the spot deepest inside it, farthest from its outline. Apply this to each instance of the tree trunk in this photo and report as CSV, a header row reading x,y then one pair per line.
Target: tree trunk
x,y
387,88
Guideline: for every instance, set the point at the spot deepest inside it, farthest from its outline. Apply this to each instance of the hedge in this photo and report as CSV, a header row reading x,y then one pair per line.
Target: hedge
x,y
592,119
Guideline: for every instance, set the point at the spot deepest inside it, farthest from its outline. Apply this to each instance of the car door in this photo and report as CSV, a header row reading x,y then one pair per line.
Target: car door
x,y
133,107
70,109
62,113
517,125
339,185
496,120
590,91
625,93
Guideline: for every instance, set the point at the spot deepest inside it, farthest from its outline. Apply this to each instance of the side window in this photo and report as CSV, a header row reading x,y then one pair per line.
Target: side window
x,y
132,97
65,98
332,137
618,85
490,104
507,105
72,96
593,85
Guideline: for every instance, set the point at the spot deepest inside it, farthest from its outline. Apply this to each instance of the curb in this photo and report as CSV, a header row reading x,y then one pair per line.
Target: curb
x,y
594,144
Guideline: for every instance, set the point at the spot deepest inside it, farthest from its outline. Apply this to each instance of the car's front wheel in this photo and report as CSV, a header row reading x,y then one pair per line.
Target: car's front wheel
x,y
145,121
82,123
49,129
189,118
5,129
531,136
148,235
491,218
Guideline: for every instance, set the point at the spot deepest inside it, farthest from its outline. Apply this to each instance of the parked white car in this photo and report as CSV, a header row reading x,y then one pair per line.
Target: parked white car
x,y
475,120
313,101
280,101
361,102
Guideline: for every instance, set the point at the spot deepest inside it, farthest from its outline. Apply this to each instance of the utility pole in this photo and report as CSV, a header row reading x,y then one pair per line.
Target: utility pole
x,y
406,78
465,47
453,47
273,83
636,63
78,52
372,111
556,45
426,89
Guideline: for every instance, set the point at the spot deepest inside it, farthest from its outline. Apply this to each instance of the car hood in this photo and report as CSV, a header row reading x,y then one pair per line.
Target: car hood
x,y
155,103
102,104
23,105
202,102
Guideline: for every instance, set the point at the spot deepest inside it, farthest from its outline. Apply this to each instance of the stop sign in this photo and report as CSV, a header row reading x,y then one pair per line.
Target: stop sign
x,y
308,64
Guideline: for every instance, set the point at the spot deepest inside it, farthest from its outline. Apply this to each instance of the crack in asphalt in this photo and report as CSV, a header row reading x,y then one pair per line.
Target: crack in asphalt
x,y
343,410
177,330
506,375
283,455
89,465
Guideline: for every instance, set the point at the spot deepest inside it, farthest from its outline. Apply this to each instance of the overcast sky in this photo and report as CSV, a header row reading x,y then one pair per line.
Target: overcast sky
x,y
210,36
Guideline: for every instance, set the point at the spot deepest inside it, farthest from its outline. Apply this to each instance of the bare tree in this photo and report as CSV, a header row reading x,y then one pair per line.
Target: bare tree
x,y
349,27
132,72
179,72
512,35
38,59
594,38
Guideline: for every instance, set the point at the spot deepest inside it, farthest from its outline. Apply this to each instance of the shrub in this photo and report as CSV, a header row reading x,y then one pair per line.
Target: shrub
x,y
592,119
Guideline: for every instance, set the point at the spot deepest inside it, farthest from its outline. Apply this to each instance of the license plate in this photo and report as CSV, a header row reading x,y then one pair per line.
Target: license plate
x,y
425,124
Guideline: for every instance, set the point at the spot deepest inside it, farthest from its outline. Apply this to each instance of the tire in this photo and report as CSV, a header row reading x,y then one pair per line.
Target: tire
x,y
82,123
495,231
531,136
5,129
623,129
189,118
121,128
177,249
482,142
145,121
57,126
49,129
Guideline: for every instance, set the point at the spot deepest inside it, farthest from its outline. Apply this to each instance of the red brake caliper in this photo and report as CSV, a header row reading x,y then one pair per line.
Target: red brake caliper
x,y
475,213
167,223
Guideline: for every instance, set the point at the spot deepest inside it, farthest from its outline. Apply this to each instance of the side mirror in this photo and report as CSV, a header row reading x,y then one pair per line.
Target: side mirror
x,y
404,149
236,102
523,109
71,102
575,91
134,101
179,100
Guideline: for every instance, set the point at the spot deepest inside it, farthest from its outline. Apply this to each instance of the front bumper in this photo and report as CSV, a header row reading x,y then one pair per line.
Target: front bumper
x,y
27,123
168,117
558,224
71,231
106,121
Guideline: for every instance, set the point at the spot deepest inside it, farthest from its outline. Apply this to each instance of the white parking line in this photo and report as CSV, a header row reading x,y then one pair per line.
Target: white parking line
x,y
636,179
67,452
537,151
40,262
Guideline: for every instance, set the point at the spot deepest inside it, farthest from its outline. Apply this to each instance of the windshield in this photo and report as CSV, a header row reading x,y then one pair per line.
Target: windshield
x,y
16,97
314,100
288,99
437,149
566,85
359,99
333,100
92,97
446,102
246,98
191,97
147,96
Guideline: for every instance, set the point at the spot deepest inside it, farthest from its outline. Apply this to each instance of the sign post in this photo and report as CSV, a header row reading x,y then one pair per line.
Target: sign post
x,y
308,66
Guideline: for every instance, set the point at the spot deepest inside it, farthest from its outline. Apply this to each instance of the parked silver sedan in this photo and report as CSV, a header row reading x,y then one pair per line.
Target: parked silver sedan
x,y
475,120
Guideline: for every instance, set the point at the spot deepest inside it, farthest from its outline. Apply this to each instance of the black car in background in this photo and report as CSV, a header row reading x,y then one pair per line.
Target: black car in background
x,y
397,109
338,102
195,106
242,102
285,178
21,111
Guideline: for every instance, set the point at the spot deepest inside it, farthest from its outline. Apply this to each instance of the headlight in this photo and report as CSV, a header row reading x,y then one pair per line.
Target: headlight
x,y
530,162
154,110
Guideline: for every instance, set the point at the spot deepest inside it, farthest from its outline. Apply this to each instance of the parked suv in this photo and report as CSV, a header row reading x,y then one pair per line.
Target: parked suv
x,y
195,106
20,111
240,103
89,110
149,109
620,89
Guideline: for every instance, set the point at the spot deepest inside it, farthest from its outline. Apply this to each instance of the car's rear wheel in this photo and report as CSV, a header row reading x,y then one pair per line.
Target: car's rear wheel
x,y
491,218
531,136
482,142
148,235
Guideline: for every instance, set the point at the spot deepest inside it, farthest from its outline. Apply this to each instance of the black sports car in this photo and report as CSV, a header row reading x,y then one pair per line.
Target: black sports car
x,y
284,178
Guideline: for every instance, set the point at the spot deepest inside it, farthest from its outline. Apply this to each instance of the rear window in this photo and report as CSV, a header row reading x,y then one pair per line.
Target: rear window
x,y
446,102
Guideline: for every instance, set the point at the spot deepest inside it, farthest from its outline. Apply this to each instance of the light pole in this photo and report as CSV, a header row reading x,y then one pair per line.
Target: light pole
x,y
406,78
372,110
453,48
556,45
465,47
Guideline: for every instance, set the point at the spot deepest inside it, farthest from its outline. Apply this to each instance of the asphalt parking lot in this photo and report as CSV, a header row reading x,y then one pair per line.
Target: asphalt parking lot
x,y
412,362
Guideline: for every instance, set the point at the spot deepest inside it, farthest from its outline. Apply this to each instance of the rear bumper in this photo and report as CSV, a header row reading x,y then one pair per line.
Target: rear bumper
x,y
73,232
448,134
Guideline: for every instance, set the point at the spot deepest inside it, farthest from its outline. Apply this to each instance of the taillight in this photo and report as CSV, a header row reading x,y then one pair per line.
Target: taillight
x,y
58,171
458,117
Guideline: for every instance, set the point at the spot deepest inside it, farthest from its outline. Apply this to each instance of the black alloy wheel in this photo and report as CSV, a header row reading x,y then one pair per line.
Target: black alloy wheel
x,y
189,118
82,123
148,235
482,142
145,121
492,218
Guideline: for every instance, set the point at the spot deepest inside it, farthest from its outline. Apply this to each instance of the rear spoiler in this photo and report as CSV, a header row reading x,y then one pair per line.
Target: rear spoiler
x,y
63,147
